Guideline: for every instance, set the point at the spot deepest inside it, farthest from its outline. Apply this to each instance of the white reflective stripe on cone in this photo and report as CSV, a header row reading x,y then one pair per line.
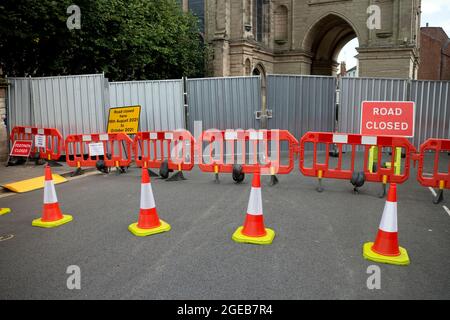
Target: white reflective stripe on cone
x,y
255,202
49,192
147,200
389,220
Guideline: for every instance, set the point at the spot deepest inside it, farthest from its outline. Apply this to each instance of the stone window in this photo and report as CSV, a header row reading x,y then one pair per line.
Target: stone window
x,y
260,16
281,24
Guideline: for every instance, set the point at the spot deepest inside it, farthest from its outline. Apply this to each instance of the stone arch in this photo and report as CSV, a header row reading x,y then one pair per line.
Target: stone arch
x,y
324,40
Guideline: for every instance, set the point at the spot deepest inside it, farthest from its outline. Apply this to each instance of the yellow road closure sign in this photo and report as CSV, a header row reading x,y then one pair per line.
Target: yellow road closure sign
x,y
124,120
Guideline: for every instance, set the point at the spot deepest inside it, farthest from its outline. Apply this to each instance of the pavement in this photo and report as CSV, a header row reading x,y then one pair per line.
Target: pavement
x,y
316,254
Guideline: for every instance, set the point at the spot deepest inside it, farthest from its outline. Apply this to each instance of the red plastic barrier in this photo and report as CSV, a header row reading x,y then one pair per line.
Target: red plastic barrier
x,y
323,170
117,149
54,143
231,148
438,179
152,148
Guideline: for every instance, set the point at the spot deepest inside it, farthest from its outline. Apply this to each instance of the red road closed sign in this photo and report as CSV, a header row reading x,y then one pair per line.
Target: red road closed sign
x,y
389,118
21,148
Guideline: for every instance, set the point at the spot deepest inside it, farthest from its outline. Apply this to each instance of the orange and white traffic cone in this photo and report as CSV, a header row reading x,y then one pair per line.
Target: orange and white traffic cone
x,y
51,216
386,248
148,222
4,211
254,231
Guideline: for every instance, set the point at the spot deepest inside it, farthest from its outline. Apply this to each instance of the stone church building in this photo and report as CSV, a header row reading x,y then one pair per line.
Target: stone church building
x,y
305,36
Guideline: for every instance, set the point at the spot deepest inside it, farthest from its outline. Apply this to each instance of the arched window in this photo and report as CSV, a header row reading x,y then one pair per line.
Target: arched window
x,y
248,67
259,18
281,24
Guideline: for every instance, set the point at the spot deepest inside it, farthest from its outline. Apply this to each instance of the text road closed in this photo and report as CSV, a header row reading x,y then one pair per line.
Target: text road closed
x,y
388,118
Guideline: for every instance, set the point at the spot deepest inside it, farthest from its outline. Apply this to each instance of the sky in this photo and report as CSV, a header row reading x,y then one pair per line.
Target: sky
x,y
435,12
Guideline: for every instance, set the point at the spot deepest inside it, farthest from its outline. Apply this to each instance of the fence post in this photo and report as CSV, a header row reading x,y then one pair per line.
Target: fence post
x,y
3,114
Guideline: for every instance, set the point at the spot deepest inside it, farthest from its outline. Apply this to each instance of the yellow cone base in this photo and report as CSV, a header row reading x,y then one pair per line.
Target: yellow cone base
x,y
266,240
401,260
138,232
52,224
4,211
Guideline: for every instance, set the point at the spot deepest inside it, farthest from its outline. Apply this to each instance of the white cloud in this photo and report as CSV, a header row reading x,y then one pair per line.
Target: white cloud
x,y
436,13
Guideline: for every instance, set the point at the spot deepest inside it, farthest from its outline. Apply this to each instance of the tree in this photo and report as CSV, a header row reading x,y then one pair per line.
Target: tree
x,y
125,39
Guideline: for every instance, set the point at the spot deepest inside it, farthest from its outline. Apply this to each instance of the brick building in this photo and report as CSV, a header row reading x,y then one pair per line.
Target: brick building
x,y
434,54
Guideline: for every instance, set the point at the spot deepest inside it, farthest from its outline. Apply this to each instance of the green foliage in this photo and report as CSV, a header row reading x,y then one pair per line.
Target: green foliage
x,y
125,39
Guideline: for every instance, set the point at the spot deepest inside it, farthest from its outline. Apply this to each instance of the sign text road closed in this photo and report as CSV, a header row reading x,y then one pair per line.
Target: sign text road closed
x,y
124,120
389,118
21,148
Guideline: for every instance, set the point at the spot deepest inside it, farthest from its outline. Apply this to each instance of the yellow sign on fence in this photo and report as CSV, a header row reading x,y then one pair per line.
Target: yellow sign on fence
x,y
124,120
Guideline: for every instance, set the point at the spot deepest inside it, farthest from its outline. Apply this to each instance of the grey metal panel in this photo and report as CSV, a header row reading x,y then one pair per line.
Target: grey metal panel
x,y
224,103
19,107
161,101
432,100
72,104
353,91
301,103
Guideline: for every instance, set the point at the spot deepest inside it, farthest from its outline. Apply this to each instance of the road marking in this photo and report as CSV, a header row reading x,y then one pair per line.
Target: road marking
x,y
7,237
432,191
446,209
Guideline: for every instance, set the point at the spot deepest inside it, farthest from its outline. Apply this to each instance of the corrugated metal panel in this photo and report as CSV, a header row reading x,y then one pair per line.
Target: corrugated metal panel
x,y
72,104
161,101
20,112
224,103
301,103
353,91
432,100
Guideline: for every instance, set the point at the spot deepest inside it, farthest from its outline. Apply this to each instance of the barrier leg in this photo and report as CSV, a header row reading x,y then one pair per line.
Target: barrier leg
x,y
78,171
383,190
177,176
152,173
440,195
273,178
319,187
216,173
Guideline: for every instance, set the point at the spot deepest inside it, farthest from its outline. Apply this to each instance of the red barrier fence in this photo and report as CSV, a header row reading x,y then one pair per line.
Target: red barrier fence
x,y
437,179
151,149
355,141
48,142
253,150
84,150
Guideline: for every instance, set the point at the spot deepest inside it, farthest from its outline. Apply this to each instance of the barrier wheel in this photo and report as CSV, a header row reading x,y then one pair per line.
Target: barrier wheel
x,y
358,179
164,170
238,175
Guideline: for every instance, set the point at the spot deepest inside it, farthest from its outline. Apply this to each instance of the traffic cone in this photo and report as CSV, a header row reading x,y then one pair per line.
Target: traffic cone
x,y
148,222
4,211
254,231
51,216
386,248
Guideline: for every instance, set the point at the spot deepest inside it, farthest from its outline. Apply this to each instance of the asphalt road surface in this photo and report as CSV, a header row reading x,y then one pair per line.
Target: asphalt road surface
x,y
316,254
